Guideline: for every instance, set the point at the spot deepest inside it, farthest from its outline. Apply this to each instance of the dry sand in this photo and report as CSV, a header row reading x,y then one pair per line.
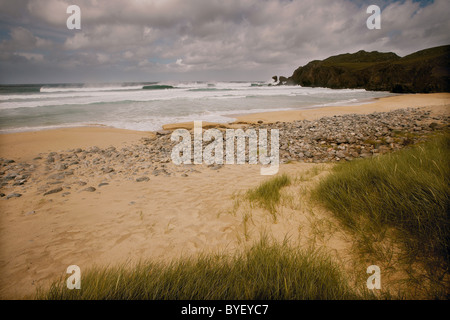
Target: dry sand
x,y
161,219
24,146
40,236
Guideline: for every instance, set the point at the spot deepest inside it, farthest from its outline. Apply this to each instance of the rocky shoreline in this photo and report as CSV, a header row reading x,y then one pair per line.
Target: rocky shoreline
x,y
329,139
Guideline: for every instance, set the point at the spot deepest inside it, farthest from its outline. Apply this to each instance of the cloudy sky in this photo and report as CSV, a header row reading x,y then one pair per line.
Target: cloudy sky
x,y
188,40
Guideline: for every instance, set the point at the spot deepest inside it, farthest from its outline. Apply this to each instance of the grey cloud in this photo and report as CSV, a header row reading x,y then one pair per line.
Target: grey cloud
x,y
196,39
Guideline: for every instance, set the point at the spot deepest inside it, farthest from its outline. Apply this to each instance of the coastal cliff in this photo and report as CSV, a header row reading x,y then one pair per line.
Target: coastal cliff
x,y
424,71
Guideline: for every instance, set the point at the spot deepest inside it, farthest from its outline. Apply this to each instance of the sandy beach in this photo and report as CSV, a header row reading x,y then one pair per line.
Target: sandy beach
x,y
438,102
123,218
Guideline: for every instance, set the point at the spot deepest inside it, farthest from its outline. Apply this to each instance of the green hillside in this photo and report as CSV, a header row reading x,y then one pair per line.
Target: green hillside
x,y
423,71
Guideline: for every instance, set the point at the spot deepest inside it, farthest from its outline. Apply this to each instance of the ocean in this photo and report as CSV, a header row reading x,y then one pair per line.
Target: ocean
x,y
148,106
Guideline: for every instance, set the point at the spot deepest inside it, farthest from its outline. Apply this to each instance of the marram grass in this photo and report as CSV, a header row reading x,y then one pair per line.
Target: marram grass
x,y
264,271
267,195
407,191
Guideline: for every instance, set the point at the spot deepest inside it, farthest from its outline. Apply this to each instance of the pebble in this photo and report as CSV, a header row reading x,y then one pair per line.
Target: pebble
x,y
13,195
56,190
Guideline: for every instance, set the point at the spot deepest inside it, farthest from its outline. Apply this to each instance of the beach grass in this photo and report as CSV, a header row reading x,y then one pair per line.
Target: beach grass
x,y
405,195
267,195
265,271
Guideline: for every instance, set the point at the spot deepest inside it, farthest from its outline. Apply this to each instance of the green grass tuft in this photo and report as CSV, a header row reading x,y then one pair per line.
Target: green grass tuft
x,y
267,195
264,271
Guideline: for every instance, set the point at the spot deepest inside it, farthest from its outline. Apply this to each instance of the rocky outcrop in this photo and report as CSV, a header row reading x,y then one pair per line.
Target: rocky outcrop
x,y
425,71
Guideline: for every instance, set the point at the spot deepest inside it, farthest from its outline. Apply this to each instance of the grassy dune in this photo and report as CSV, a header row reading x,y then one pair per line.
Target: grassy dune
x,y
403,195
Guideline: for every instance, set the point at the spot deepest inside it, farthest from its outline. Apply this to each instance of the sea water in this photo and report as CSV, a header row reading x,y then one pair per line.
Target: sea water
x,y
148,106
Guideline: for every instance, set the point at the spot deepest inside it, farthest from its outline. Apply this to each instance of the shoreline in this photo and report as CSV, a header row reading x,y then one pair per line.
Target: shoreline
x,y
312,107
24,146
438,103
383,104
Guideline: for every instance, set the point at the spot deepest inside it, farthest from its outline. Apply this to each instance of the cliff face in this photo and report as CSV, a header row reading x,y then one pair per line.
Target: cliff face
x,y
424,71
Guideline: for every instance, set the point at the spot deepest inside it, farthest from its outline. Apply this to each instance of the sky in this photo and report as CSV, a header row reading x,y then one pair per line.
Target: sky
x,y
202,40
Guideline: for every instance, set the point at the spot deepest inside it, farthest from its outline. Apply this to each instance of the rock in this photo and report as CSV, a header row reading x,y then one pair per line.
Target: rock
x,y
2,194
142,179
61,167
57,176
13,195
89,189
340,154
56,190
10,176
434,125
19,182
163,132
21,177
103,184
156,172
283,80
55,182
